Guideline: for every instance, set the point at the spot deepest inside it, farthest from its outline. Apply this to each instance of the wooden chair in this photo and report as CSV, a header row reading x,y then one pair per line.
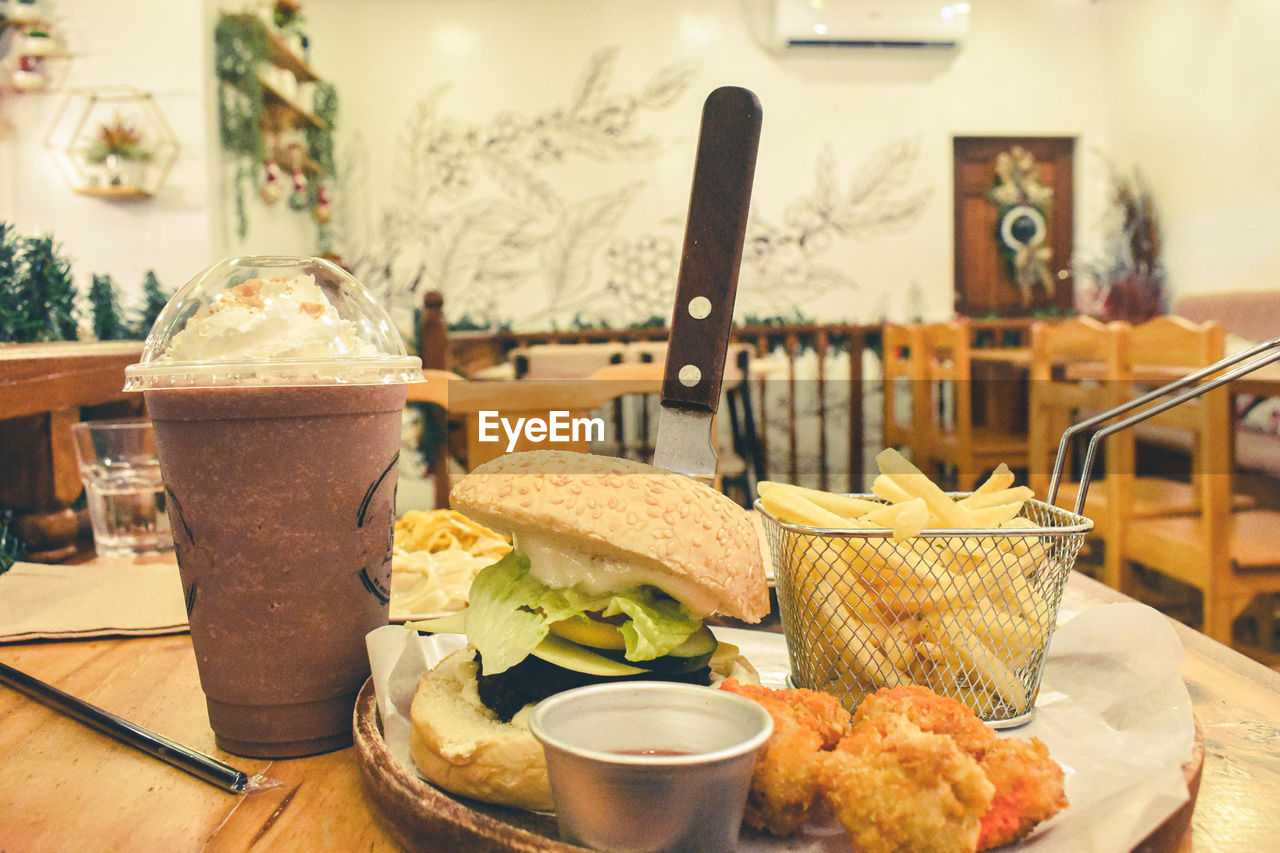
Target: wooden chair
x,y
738,471
464,402
953,434
1229,556
1058,399
904,405
476,403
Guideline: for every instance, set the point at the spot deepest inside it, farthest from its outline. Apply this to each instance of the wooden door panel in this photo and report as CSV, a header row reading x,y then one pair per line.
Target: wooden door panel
x,y
983,285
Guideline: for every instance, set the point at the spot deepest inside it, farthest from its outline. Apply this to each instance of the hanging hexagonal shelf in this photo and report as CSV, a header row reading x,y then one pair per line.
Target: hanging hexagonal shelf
x,y
113,142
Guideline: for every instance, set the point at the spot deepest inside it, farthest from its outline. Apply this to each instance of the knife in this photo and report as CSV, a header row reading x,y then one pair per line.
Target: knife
x,y
708,282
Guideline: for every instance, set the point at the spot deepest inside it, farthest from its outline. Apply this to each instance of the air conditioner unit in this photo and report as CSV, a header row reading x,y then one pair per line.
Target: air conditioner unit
x,y
870,23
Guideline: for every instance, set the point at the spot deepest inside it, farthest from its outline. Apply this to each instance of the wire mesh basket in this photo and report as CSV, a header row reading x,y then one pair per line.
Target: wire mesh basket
x,y
966,613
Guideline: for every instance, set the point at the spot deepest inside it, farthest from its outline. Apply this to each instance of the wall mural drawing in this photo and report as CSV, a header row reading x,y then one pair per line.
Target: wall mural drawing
x,y
789,260
479,215
476,217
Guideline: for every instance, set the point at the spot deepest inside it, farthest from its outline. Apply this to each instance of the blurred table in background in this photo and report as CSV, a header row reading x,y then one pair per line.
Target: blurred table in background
x,y
44,389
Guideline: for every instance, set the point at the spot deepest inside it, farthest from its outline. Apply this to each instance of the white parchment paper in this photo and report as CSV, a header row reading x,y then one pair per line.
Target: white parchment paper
x,y
1112,709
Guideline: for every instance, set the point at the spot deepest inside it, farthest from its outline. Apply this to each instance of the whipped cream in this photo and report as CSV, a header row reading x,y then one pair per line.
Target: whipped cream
x,y
264,319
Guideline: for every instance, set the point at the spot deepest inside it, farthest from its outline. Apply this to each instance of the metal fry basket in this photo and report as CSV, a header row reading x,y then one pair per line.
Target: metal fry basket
x,y
966,613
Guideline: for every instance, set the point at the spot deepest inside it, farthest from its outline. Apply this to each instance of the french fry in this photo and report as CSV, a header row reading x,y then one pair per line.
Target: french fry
x,y
886,488
1001,478
1014,494
906,519
991,516
850,651
1021,638
916,483
846,506
797,509
979,662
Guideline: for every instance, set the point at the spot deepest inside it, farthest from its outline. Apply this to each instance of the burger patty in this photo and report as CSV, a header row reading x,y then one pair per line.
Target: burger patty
x,y
533,680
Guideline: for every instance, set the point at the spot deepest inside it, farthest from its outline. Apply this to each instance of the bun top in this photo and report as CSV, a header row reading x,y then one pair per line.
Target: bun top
x,y
685,537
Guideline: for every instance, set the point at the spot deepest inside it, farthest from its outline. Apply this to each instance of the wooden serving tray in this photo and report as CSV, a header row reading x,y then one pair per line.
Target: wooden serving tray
x,y
421,817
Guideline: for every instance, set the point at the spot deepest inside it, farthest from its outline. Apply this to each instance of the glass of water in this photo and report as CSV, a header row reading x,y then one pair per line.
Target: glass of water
x,y
123,489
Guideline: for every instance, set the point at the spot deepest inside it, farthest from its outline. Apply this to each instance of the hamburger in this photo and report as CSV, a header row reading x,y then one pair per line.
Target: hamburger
x,y
615,568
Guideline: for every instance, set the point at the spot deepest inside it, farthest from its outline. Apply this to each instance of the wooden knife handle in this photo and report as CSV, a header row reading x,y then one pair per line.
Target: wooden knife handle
x,y
717,223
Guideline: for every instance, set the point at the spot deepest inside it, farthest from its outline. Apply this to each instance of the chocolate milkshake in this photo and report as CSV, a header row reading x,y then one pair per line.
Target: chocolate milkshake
x,y
279,460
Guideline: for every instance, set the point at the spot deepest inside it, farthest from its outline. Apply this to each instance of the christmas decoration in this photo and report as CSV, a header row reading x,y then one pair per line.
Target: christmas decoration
x,y
104,298
154,299
41,299
321,211
272,185
1021,228
298,199
11,313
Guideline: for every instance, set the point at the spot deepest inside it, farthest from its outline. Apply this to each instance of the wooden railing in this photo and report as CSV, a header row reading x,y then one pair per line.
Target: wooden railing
x,y
776,397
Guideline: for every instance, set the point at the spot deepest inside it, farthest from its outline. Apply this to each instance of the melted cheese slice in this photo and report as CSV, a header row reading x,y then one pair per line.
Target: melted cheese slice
x,y
559,565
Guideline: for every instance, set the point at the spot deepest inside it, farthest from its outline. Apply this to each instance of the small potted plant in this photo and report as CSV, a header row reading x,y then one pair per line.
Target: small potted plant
x,y
118,150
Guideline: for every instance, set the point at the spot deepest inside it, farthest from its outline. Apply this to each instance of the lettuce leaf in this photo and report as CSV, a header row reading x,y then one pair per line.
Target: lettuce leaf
x,y
511,611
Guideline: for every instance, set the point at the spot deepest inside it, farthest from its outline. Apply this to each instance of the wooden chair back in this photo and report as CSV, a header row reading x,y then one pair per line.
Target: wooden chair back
x,y
958,447
1060,397
904,406
1076,371
1154,353
1228,555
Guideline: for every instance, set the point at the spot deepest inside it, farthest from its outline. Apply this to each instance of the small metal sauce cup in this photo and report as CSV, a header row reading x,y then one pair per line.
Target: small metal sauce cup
x,y
650,766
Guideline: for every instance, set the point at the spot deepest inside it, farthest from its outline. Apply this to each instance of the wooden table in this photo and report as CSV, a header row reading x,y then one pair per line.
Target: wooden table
x,y
44,389
66,787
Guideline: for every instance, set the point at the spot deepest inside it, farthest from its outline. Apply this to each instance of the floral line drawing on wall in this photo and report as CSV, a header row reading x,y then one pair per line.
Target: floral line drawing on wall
x,y
479,215
788,259
475,213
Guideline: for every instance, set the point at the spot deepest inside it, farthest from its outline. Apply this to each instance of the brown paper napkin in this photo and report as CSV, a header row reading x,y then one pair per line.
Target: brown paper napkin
x,y
105,597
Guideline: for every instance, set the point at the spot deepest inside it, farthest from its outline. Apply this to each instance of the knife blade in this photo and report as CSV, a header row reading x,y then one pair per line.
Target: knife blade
x,y
724,170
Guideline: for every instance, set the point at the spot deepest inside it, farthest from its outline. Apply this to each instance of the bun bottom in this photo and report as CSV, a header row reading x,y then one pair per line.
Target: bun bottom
x,y
462,746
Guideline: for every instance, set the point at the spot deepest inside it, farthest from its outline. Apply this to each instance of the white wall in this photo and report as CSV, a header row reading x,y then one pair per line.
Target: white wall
x,y
1195,100
1029,68
1184,89
152,45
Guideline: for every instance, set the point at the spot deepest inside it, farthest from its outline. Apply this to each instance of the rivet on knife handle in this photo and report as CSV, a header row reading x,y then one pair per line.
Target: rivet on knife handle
x,y
716,227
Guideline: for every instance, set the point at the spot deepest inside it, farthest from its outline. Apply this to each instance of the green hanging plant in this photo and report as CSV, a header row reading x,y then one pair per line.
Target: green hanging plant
x,y
240,47
324,106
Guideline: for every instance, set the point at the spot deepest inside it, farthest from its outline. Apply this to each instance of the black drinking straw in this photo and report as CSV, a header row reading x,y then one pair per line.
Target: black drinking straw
x,y
183,757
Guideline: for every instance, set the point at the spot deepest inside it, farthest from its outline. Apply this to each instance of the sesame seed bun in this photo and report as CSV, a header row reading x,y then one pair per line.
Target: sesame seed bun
x,y
461,746
672,532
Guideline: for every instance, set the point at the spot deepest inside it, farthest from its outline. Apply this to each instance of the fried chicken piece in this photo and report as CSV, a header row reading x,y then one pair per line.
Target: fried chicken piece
x,y
933,713
1028,783
896,787
784,783
1029,789
819,711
